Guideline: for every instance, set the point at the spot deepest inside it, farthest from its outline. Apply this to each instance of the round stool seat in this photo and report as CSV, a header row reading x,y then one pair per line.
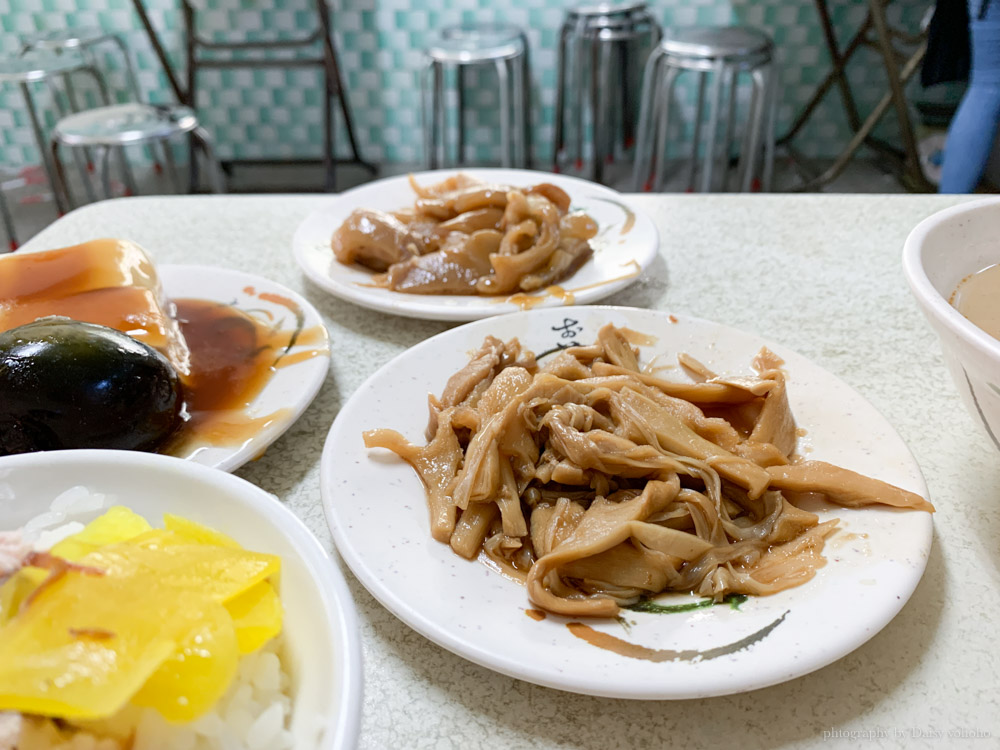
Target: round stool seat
x,y
65,38
473,44
606,9
30,68
725,42
122,124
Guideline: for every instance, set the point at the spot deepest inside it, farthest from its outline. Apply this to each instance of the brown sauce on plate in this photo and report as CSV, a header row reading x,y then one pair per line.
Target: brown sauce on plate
x,y
233,356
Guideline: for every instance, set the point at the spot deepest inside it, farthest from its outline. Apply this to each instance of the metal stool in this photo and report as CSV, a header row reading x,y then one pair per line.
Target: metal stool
x,y
115,127
33,68
724,53
84,40
505,48
609,36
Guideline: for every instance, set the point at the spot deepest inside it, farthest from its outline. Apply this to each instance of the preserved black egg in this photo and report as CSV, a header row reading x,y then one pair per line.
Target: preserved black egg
x,y
67,384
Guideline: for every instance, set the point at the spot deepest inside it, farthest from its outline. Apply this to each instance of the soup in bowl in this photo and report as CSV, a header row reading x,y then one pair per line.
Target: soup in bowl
x,y
949,260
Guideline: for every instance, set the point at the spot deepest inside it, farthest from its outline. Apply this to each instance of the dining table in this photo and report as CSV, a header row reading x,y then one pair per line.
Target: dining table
x,y
819,274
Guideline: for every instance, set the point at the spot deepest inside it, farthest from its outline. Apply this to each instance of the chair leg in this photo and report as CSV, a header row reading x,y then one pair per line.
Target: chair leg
x,y
696,137
596,107
200,136
526,102
460,96
40,141
713,124
729,117
128,178
60,188
506,144
8,222
644,125
171,167
330,52
519,157
561,75
770,125
133,87
329,158
104,160
82,157
427,112
751,138
663,104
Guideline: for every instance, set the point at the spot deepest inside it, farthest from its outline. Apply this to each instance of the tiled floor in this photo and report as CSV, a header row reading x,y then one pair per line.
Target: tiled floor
x,y
32,211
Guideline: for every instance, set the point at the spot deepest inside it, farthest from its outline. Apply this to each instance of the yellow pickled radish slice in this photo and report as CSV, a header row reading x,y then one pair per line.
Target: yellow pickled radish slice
x,y
163,627
199,671
195,532
218,573
117,524
256,615
86,644
14,592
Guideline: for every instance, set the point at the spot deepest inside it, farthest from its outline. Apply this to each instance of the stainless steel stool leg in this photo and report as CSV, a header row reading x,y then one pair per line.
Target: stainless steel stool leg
x,y
127,176
748,154
83,165
580,49
200,136
74,105
460,96
729,116
562,75
60,188
696,137
645,146
713,124
770,125
8,222
596,110
171,167
519,156
506,142
663,102
440,124
103,157
40,140
427,113
132,81
526,102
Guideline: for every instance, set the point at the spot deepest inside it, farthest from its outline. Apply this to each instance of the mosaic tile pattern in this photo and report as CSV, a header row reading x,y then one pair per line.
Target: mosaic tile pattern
x,y
276,113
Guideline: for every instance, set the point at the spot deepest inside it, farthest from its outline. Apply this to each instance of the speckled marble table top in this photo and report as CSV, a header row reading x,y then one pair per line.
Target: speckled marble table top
x,y
819,274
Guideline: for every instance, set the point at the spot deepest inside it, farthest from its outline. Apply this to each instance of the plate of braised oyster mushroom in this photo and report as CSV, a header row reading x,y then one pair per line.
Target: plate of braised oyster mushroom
x,y
625,503
470,244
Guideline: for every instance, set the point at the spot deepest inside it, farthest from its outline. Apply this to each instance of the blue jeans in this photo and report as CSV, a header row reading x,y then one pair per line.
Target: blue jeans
x,y
974,129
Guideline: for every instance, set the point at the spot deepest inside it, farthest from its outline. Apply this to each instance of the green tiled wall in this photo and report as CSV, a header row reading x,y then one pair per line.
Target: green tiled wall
x,y
277,112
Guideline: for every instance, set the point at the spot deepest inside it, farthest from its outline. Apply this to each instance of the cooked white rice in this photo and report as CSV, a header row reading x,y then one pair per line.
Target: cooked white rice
x,y
254,714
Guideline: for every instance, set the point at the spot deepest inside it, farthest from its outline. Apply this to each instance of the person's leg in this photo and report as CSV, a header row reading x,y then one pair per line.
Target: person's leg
x,y
974,129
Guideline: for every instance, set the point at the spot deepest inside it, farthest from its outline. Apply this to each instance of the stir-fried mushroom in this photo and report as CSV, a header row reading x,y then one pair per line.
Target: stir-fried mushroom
x,y
598,483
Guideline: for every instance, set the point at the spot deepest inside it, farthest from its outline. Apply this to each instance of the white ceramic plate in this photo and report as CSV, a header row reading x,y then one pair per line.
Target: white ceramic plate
x,y
290,389
625,246
322,645
376,509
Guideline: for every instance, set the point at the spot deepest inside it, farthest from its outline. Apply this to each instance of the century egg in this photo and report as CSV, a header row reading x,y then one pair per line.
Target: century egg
x,y
69,384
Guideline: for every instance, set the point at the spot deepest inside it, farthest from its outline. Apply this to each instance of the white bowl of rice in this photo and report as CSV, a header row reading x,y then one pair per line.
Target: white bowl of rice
x,y
301,691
